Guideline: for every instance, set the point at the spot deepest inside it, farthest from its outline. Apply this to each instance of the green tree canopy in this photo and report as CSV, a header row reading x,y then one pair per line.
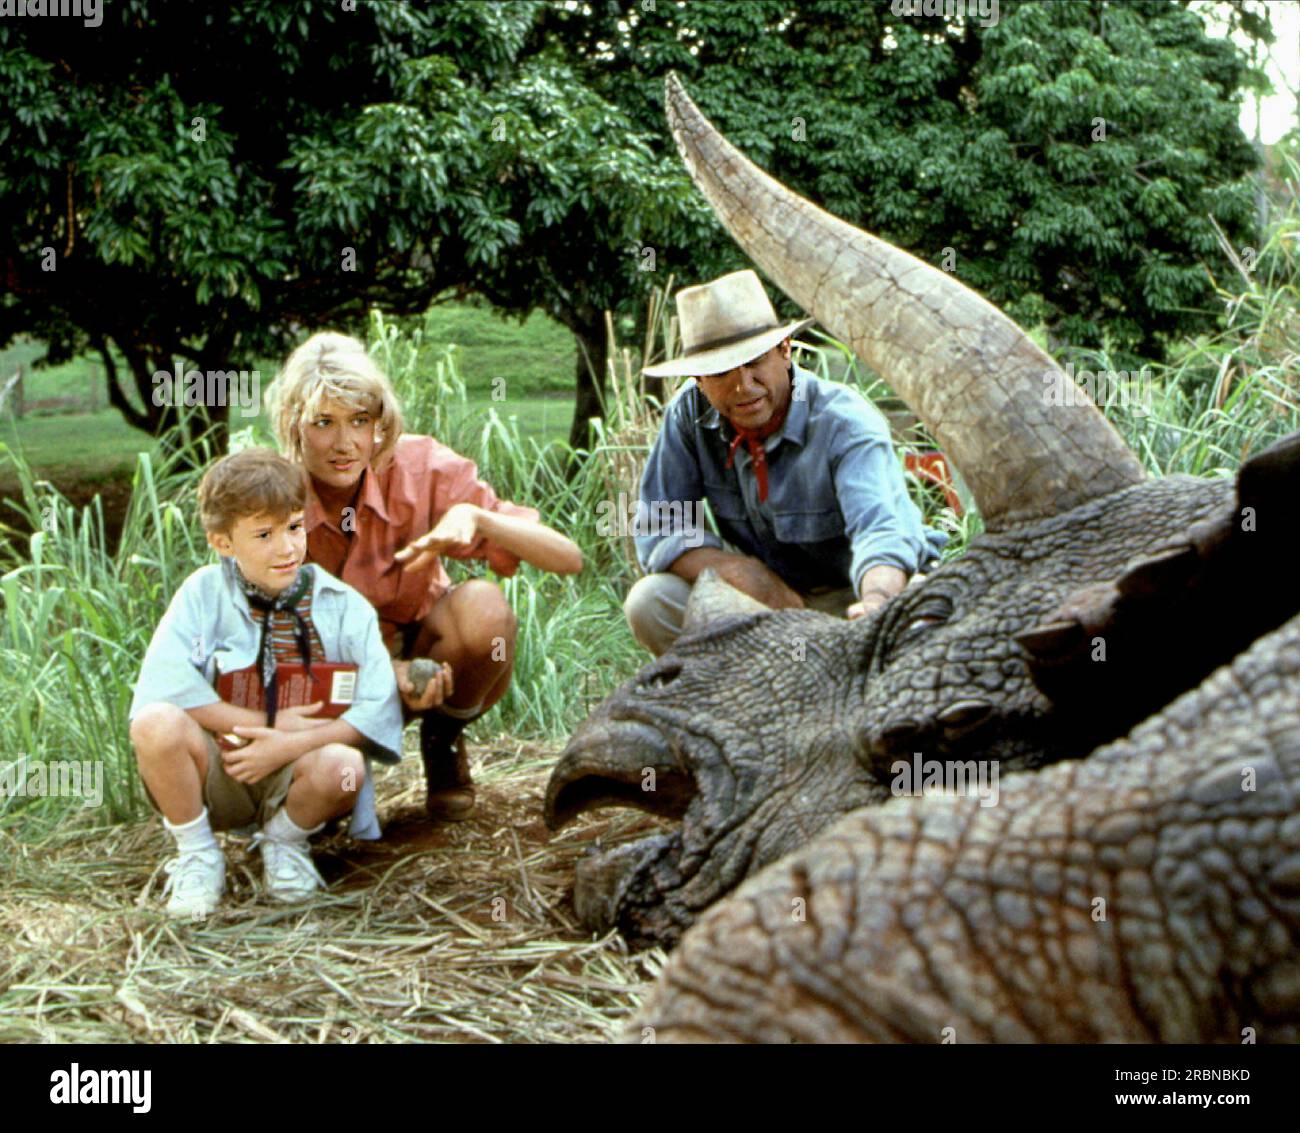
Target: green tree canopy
x,y
298,162
1070,155
209,182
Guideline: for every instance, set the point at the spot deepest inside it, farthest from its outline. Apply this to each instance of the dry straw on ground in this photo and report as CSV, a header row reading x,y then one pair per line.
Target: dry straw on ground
x,y
457,933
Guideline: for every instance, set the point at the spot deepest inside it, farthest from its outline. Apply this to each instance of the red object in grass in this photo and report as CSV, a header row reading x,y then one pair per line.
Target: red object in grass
x,y
932,467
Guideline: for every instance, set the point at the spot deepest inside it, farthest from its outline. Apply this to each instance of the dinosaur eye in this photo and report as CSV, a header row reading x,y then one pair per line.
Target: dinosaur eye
x,y
925,617
660,675
925,621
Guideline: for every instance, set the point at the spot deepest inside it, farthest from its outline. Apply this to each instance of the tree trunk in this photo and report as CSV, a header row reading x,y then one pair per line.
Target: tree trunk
x,y
590,373
204,431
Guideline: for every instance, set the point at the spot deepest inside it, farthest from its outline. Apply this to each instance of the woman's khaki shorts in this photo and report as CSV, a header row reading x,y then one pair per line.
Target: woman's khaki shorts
x,y
232,804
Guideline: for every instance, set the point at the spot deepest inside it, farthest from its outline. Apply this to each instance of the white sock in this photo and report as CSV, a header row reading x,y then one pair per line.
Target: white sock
x,y
193,835
281,828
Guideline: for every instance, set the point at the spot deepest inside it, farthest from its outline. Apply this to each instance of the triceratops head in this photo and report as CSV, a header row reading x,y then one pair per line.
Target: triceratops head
x,y
758,728
738,731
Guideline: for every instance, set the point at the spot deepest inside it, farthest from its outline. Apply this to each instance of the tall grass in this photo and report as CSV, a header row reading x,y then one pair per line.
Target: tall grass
x,y
76,620
1229,394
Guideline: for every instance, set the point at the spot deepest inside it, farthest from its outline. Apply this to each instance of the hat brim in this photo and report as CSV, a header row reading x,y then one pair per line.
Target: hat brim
x,y
723,358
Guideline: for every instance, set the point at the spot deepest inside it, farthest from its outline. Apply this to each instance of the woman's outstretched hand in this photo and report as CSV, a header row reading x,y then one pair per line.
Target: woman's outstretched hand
x,y
456,531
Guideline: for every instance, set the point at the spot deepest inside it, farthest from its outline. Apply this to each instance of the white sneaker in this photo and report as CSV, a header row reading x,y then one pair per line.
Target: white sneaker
x,y
196,881
287,869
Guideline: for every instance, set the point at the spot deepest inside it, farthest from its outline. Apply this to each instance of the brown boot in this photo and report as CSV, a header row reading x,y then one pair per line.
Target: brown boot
x,y
446,769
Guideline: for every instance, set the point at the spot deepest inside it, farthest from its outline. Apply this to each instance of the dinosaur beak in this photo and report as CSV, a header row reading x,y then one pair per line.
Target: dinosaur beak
x,y
601,881
620,763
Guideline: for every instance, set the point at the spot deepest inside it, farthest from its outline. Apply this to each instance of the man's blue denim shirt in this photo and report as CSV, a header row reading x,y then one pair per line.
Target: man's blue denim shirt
x,y
837,500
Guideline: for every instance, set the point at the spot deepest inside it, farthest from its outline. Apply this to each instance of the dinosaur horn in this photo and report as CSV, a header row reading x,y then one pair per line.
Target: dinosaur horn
x,y
712,597
1027,440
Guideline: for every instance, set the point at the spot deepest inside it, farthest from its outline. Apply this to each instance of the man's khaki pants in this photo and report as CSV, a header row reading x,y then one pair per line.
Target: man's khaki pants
x,y
656,607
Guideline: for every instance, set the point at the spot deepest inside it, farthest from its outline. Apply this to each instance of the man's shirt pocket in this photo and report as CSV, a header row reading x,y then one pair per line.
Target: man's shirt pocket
x,y
807,527
725,501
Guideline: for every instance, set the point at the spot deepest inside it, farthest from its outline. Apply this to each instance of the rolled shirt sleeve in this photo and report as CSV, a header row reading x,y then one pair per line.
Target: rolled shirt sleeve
x,y
672,477
883,525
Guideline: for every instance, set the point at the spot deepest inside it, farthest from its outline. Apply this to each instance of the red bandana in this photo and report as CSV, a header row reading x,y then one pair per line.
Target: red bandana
x,y
753,439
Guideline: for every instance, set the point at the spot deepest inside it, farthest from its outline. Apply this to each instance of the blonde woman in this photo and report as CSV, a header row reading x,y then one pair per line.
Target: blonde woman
x,y
383,508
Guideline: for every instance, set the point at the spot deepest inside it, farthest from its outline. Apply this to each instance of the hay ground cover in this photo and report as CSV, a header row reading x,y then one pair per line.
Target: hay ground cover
x,y
450,932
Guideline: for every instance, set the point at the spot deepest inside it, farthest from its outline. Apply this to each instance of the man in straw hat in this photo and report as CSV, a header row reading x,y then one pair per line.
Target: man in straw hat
x,y
799,473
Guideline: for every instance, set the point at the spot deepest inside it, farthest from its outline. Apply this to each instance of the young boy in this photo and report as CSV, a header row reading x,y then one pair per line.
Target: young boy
x,y
261,606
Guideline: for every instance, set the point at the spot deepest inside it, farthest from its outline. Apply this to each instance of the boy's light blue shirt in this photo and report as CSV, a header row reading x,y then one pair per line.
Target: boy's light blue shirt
x,y
837,501
209,627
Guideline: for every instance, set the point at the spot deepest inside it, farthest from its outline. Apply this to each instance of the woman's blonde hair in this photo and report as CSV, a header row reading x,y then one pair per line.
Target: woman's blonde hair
x,y
333,366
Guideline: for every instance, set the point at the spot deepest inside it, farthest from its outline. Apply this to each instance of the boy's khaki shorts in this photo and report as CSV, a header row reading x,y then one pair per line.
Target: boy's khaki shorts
x,y
232,804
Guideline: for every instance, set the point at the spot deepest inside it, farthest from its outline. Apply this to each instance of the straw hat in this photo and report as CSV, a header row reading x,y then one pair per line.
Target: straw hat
x,y
724,324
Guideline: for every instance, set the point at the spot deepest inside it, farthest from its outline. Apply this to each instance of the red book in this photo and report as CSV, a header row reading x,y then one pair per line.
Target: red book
x,y
333,682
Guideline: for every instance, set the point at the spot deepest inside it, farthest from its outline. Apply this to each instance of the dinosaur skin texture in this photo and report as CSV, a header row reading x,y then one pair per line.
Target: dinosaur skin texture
x,y
764,728
1150,892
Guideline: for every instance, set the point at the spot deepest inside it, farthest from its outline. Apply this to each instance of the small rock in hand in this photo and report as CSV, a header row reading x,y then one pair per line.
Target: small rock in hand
x,y
421,673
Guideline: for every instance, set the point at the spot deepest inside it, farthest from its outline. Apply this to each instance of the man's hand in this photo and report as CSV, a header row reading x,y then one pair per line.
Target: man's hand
x,y
267,751
868,605
746,574
441,686
878,586
456,531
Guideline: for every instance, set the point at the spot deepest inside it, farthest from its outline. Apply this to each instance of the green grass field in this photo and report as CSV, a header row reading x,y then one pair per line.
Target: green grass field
x,y
522,370
81,378
536,355
89,445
